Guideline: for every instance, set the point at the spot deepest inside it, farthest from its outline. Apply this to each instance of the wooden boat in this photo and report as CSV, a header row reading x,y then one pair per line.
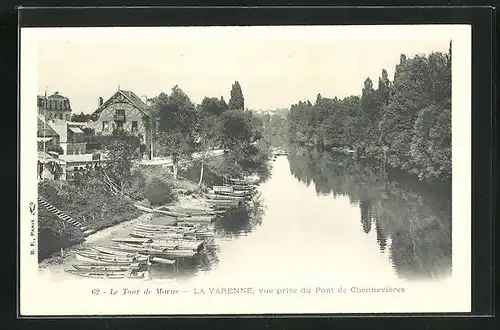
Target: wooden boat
x,y
169,253
189,211
131,240
150,210
97,258
223,206
110,275
198,218
166,229
242,194
240,189
106,267
212,195
218,189
113,251
168,236
118,251
251,179
189,245
145,233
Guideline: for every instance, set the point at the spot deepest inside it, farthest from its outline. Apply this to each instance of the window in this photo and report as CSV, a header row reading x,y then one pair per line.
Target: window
x,y
120,112
105,126
134,126
60,116
67,117
119,126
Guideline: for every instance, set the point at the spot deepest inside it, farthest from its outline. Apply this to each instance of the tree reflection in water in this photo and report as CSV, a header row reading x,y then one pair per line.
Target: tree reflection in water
x,y
242,220
412,220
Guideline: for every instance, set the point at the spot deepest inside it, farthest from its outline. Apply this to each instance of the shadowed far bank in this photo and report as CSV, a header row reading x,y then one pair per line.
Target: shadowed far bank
x,y
411,219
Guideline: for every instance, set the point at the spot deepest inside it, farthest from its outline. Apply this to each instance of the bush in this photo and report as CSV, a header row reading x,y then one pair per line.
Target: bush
x,y
160,192
137,187
54,234
86,201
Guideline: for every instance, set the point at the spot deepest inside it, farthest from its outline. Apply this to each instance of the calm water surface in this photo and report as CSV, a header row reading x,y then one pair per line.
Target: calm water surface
x,y
327,214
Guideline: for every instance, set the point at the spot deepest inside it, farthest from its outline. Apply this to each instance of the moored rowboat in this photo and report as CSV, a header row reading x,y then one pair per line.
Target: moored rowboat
x,y
96,258
159,252
109,274
106,267
130,240
113,251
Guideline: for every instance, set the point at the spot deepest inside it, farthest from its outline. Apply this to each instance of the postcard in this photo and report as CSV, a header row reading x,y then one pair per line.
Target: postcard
x,y
245,170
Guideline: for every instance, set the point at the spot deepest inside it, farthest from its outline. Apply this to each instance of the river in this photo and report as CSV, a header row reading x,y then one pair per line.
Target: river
x,y
325,213
322,222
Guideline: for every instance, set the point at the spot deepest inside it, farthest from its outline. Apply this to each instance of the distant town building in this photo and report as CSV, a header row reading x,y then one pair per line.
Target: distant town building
x,y
124,111
64,137
47,137
54,106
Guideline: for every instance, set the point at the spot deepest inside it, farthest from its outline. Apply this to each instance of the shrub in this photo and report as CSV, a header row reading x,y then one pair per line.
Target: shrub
x,y
160,192
137,187
54,234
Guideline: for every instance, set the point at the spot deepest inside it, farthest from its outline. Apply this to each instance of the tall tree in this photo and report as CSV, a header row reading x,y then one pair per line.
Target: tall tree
x,y
120,150
177,125
237,101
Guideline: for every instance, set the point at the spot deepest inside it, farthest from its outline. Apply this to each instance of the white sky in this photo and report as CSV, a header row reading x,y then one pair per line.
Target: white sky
x,y
276,66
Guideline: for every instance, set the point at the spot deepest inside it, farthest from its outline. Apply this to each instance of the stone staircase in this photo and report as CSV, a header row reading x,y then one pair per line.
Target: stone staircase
x,y
63,216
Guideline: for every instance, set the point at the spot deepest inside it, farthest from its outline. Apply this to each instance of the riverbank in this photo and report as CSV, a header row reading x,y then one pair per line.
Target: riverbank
x,y
56,263
91,203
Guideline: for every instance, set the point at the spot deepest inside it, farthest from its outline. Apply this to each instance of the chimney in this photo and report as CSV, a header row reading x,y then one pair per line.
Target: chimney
x,y
99,101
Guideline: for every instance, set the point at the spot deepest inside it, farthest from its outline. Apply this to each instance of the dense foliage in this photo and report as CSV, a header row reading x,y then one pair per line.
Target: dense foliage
x,y
406,121
237,101
184,128
87,201
275,127
120,151
159,192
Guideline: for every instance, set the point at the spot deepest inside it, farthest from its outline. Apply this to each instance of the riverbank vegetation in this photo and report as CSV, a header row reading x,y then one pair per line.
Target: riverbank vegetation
x,y
275,127
105,196
405,122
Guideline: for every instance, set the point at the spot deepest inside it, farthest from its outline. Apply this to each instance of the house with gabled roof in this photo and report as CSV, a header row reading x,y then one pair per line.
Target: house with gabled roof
x,y
124,111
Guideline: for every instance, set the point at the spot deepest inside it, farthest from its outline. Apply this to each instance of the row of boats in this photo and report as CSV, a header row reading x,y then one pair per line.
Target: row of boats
x,y
178,234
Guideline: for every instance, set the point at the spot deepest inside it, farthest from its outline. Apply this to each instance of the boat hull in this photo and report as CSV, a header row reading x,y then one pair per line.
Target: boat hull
x,y
91,258
109,274
160,252
106,267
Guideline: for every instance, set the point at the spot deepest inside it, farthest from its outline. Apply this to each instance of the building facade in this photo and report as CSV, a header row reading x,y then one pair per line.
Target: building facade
x,y
47,137
61,136
55,106
124,111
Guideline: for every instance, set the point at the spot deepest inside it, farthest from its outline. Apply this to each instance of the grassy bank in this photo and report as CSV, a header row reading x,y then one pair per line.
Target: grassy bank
x,y
89,201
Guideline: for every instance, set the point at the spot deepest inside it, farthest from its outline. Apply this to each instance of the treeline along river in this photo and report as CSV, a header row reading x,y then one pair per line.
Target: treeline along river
x,y
329,213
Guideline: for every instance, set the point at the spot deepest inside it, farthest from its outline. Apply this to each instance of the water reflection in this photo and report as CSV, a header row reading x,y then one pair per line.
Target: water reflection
x,y
240,221
412,221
